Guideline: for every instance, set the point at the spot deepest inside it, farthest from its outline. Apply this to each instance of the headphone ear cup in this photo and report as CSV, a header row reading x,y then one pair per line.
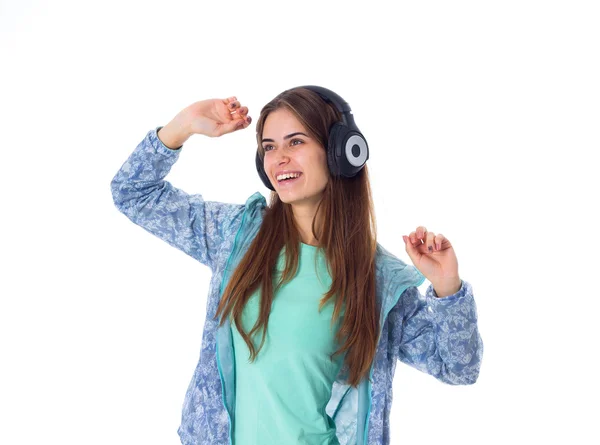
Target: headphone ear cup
x,y
336,136
261,172
347,152
356,153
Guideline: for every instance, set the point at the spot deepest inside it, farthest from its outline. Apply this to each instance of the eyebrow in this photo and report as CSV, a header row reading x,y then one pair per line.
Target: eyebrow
x,y
285,137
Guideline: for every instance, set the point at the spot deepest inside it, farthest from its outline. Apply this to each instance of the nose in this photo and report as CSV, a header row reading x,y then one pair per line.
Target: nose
x,y
277,161
281,158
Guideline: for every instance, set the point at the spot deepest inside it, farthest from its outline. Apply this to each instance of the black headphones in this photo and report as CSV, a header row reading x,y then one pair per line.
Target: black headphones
x,y
347,150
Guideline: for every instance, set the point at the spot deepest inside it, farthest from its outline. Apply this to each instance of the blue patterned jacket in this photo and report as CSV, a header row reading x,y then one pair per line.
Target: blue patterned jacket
x,y
438,336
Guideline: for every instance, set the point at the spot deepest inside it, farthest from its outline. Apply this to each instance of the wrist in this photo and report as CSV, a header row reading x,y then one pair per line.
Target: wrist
x,y
447,287
174,134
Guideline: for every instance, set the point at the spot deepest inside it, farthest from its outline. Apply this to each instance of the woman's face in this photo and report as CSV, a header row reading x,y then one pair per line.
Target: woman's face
x,y
289,148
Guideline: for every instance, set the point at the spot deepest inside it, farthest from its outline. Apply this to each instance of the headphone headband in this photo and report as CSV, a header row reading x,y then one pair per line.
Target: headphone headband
x,y
340,104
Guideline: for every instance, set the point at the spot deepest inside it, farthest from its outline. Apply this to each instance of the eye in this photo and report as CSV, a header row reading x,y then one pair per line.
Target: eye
x,y
266,147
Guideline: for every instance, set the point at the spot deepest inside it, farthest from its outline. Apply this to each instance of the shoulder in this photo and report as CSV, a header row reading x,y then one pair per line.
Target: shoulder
x,y
387,262
394,277
249,216
255,204
391,271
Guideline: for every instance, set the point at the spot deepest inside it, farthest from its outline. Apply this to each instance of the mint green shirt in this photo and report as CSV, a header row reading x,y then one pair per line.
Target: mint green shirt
x,y
281,397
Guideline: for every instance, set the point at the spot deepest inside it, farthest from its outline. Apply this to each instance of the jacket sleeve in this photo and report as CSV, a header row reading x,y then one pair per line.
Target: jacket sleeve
x,y
438,336
185,221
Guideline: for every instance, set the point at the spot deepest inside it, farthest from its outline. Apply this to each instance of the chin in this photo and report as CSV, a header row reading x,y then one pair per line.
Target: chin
x,y
296,199
286,199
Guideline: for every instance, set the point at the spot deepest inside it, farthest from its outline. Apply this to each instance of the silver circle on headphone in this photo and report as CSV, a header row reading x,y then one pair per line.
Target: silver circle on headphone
x,y
359,160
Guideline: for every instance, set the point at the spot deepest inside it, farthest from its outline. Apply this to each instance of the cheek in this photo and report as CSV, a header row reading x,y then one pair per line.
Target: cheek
x,y
324,168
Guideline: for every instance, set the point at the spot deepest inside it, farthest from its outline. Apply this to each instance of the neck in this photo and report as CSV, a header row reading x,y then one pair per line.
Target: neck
x,y
303,218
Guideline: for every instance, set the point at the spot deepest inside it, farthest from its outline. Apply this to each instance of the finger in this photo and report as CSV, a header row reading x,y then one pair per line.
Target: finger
x,y
243,123
413,238
439,241
242,114
412,250
429,241
229,99
410,247
230,127
419,246
233,105
421,232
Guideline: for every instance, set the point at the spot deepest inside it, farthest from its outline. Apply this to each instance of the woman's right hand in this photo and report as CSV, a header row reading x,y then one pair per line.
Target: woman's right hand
x,y
215,117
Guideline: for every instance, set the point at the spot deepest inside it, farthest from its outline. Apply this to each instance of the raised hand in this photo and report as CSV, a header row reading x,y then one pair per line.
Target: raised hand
x,y
215,117
434,257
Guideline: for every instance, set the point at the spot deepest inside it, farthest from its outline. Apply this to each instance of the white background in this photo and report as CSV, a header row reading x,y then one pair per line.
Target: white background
x,y
483,124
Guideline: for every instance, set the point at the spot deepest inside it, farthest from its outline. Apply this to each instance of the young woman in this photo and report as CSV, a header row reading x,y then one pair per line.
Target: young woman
x,y
307,313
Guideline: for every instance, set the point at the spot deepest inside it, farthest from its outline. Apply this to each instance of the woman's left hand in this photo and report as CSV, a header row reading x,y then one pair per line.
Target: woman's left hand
x,y
434,257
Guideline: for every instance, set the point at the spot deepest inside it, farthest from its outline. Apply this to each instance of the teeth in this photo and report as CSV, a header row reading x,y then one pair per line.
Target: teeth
x,y
288,175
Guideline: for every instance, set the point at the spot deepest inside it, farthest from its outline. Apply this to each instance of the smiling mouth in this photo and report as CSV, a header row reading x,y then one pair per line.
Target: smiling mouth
x,y
285,182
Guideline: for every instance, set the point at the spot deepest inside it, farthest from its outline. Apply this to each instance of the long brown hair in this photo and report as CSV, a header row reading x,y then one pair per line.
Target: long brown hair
x,y
347,235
